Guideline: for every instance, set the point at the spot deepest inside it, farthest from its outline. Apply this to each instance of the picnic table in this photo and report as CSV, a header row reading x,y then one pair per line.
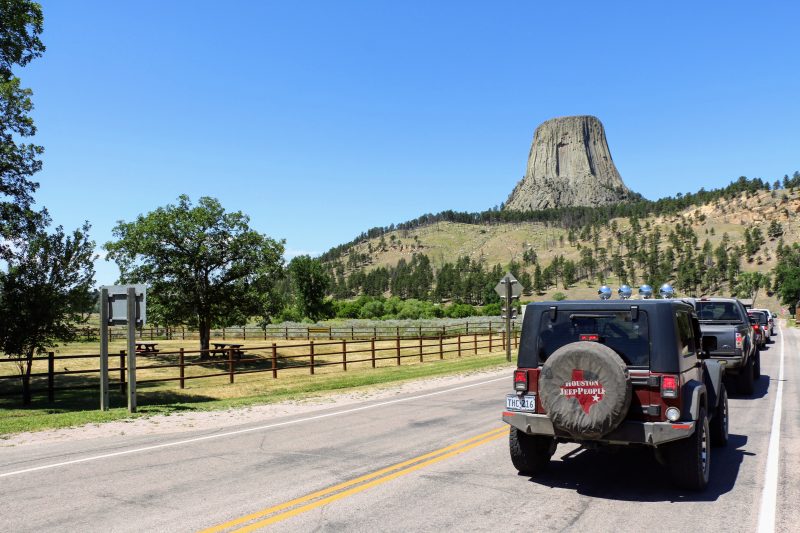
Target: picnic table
x,y
146,347
222,348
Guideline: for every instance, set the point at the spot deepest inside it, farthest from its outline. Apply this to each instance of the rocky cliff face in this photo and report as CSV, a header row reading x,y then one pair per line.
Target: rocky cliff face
x,y
569,165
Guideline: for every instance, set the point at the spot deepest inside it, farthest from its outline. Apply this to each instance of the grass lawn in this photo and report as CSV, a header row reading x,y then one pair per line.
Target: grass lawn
x,y
76,407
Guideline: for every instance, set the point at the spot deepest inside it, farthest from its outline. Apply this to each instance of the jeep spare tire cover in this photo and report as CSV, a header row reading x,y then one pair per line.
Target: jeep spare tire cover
x,y
585,389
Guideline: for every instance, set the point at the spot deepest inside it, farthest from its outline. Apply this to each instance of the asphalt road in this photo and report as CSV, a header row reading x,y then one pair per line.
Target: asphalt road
x,y
434,461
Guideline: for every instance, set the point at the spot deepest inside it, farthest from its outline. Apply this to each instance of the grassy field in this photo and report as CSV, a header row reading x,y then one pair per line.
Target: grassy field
x,y
75,407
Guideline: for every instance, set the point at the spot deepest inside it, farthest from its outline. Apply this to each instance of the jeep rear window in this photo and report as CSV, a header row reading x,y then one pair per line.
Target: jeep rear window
x,y
616,329
718,312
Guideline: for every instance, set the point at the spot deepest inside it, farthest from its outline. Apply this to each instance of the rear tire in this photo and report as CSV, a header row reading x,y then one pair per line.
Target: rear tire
x,y
746,378
689,459
719,424
530,454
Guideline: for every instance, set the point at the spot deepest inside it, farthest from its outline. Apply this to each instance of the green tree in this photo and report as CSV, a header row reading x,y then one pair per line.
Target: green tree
x,y
787,274
205,267
21,23
44,293
310,283
749,283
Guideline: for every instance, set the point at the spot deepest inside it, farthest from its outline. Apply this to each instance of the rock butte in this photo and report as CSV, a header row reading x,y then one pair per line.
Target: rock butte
x,y
569,165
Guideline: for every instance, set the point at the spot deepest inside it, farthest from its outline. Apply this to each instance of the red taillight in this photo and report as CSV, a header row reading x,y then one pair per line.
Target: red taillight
x,y
521,380
669,386
756,328
591,337
738,340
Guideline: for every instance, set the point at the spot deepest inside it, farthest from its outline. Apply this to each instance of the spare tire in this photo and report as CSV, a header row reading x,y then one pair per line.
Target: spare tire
x,y
585,389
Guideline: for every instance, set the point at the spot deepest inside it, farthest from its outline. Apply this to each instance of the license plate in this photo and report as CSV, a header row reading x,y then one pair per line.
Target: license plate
x,y
524,403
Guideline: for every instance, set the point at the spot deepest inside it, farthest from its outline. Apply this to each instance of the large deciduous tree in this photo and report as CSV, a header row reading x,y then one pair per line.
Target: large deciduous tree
x,y
44,293
21,23
205,267
310,282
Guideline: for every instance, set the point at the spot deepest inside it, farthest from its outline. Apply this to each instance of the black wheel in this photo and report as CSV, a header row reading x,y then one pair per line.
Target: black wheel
x,y
746,377
719,424
689,459
530,454
757,366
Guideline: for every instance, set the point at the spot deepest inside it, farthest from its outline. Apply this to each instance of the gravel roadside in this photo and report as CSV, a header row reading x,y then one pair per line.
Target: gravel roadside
x,y
209,420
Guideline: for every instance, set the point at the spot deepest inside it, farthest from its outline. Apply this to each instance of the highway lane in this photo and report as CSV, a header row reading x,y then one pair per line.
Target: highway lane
x,y
454,472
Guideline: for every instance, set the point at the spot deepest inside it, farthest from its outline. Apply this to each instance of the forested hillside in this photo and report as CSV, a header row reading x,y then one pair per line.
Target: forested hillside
x,y
724,241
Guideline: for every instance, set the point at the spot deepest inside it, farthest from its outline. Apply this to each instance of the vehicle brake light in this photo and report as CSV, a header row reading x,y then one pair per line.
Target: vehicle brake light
x,y
521,380
669,386
738,340
591,337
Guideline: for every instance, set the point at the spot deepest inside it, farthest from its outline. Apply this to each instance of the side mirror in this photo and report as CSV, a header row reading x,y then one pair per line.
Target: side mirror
x,y
709,345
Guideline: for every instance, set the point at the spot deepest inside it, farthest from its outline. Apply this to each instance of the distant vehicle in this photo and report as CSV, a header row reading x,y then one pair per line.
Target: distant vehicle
x,y
726,320
617,373
771,317
762,324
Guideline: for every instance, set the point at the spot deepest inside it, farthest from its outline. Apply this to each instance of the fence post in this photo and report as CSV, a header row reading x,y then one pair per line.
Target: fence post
x,y
122,371
374,332
398,350
312,356
490,337
459,344
352,333
516,338
274,361
475,342
441,350
398,331
286,332
503,337
344,355
183,370
420,350
372,343
244,333
223,333
265,332
230,364
51,364
183,333
444,332
420,332
308,334
467,331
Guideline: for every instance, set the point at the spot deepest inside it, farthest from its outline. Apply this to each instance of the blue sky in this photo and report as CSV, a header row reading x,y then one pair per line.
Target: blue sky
x,y
323,119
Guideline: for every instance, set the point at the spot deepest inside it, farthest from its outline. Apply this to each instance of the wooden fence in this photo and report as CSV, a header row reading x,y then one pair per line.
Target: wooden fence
x,y
184,365
296,332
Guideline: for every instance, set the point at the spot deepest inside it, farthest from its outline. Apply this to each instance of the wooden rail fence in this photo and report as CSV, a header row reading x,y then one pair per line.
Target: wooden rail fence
x,y
296,332
183,365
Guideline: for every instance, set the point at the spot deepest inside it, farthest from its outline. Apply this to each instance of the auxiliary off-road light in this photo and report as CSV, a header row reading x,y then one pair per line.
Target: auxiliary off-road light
x,y
521,380
669,386
673,414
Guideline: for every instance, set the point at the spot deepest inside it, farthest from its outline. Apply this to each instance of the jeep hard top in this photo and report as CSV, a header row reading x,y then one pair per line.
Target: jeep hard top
x,y
617,372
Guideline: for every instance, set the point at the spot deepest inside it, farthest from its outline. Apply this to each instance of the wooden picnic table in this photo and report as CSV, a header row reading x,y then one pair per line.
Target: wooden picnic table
x,y
146,347
223,347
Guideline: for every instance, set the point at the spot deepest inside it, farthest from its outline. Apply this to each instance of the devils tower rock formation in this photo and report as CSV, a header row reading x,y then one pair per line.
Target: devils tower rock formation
x,y
569,164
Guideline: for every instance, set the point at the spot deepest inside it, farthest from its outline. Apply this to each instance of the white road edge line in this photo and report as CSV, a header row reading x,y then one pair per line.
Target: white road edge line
x,y
248,430
769,496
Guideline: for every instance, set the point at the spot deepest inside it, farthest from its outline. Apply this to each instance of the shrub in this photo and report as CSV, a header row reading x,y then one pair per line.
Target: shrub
x,y
559,296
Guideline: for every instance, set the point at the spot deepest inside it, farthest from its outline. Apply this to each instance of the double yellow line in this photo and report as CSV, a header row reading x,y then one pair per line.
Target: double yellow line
x,y
322,497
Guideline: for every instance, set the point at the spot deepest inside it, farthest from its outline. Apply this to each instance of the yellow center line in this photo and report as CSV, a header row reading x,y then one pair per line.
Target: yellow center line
x,y
495,433
365,486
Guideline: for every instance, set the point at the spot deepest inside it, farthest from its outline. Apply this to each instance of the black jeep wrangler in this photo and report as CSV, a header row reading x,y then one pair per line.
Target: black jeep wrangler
x,y
617,373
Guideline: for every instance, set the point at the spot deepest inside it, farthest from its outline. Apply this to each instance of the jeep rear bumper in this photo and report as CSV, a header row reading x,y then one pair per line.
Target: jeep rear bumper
x,y
629,432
